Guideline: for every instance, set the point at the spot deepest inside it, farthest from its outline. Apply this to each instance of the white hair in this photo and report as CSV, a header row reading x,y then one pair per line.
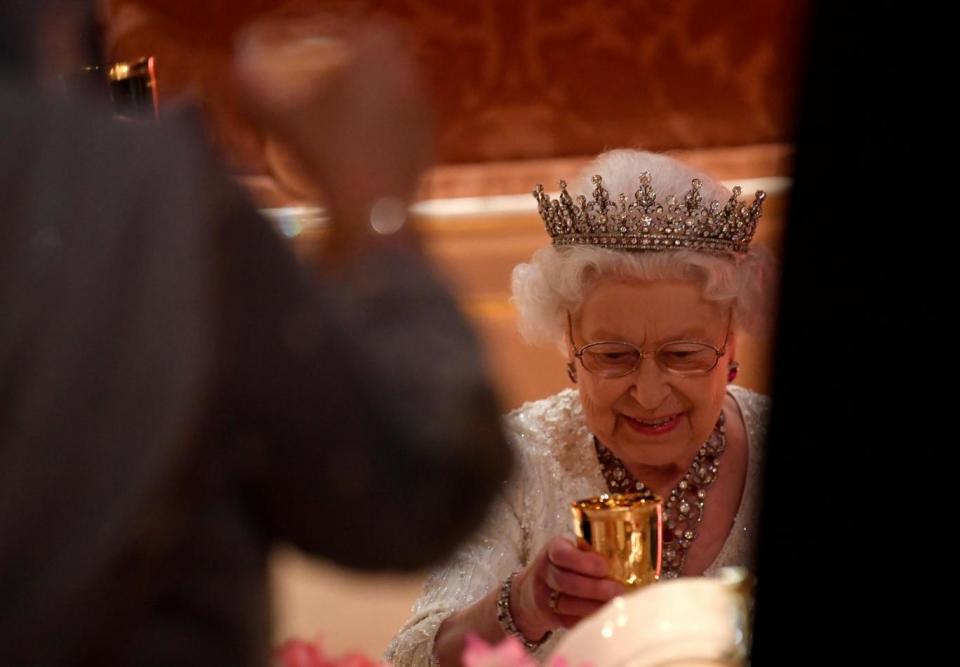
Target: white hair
x,y
556,280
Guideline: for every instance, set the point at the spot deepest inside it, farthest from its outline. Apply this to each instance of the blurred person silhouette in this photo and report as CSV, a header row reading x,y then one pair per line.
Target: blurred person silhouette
x,y
178,394
858,470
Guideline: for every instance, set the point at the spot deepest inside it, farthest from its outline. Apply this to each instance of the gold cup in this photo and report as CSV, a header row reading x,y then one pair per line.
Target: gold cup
x,y
627,530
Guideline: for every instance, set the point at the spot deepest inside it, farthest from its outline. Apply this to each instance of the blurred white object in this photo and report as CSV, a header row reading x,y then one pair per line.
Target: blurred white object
x,y
682,622
291,221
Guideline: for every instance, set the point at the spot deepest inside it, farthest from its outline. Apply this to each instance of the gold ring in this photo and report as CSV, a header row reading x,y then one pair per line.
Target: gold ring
x,y
554,599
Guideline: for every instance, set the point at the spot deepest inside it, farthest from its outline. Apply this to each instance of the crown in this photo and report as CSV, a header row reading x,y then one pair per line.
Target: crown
x,y
645,224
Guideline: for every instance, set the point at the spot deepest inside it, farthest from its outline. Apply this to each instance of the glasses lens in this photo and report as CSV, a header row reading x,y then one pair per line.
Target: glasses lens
x,y
610,359
687,357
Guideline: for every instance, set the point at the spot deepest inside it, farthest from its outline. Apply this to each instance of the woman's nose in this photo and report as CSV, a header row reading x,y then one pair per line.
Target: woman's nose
x,y
648,385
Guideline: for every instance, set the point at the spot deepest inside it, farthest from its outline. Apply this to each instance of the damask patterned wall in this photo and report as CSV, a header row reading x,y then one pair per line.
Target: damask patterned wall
x,y
516,79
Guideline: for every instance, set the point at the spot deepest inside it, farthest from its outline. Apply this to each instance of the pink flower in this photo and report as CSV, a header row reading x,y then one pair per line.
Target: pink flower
x,y
508,653
557,661
298,653
355,660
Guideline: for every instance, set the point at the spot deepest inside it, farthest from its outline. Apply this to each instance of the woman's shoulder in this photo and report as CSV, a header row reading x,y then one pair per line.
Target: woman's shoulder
x,y
755,408
554,448
546,419
754,405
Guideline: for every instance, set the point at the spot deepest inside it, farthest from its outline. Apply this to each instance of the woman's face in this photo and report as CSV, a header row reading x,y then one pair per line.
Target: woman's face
x,y
652,417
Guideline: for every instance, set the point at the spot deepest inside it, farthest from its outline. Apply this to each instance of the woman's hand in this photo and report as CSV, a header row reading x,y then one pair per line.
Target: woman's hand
x,y
560,586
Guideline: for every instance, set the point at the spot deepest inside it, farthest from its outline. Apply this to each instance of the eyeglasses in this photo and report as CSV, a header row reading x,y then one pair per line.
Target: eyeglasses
x,y
614,359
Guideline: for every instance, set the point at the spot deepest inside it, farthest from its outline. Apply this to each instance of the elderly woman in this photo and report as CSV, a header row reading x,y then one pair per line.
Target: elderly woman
x,y
644,293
